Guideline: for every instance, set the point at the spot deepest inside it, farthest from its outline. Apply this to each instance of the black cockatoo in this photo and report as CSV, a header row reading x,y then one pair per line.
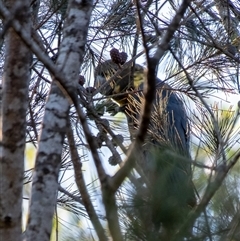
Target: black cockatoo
x,y
166,163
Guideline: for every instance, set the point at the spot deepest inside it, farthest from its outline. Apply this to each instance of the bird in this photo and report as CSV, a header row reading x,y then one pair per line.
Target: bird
x,y
166,164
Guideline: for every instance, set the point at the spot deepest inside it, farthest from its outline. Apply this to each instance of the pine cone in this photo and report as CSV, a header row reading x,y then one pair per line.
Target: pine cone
x,y
90,90
113,160
81,80
124,57
115,56
119,138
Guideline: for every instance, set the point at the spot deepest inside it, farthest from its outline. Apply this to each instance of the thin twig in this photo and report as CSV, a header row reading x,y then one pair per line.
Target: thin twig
x,y
82,186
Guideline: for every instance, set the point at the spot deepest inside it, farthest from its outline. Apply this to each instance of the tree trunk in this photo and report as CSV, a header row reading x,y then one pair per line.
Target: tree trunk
x,y
14,107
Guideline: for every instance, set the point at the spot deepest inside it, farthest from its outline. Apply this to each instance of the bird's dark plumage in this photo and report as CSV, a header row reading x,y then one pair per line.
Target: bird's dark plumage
x,y
166,150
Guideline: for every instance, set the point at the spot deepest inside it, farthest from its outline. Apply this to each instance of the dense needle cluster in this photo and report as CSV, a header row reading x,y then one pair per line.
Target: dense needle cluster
x,y
168,195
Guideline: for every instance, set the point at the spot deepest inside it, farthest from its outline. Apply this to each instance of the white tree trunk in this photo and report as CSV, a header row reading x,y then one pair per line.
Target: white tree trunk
x,y
45,181
14,107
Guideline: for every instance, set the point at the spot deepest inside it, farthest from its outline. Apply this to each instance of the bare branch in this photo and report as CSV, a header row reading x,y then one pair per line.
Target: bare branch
x,y
82,186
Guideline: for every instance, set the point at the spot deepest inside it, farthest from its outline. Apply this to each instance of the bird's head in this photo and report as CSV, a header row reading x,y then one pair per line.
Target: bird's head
x,y
113,80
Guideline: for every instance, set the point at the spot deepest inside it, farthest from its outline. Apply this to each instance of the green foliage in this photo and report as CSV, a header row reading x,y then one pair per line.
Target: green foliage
x,y
199,66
